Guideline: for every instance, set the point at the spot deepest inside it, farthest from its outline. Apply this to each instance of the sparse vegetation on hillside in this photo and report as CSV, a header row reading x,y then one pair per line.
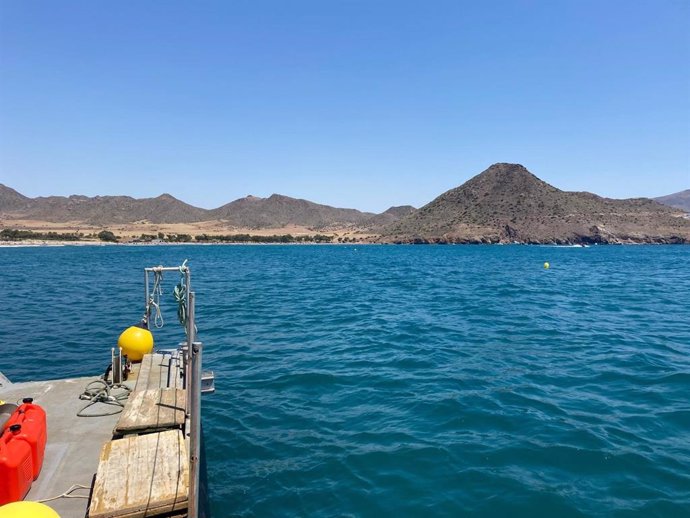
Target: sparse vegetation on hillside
x,y
248,238
276,211
507,203
504,204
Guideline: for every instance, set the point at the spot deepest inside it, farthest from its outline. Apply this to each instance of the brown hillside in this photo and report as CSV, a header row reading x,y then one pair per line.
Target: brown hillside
x,y
679,200
377,222
279,211
251,212
507,203
105,210
11,199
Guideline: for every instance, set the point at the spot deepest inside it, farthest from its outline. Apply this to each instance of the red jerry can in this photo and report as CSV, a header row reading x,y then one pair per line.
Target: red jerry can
x,y
34,430
16,469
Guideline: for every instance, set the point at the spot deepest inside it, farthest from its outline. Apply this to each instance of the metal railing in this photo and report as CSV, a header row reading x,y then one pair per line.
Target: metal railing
x,y
194,396
192,374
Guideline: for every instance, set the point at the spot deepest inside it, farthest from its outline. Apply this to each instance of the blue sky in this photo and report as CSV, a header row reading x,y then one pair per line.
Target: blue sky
x,y
362,104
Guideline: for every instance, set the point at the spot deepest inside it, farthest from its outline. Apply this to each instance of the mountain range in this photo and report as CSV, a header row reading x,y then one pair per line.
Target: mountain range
x,y
505,203
250,212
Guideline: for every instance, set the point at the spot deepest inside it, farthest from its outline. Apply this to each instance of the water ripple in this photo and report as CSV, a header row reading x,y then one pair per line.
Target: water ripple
x,y
403,381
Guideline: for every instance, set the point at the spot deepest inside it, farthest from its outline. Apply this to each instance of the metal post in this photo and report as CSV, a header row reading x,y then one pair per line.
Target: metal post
x,y
194,396
191,328
146,290
191,336
189,371
195,433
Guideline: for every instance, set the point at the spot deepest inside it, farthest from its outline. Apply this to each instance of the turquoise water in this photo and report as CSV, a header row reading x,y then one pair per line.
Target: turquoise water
x,y
401,381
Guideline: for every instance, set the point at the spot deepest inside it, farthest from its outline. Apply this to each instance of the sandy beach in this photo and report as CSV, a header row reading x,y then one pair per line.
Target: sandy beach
x,y
132,232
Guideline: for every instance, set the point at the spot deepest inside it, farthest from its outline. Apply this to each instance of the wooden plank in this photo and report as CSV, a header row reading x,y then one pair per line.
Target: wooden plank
x,y
149,410
159,370
143,475
153,372
143,374
156,372
158,376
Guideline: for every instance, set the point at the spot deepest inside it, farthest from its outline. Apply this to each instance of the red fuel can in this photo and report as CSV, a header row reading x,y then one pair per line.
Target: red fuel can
x,y
32,419
16,469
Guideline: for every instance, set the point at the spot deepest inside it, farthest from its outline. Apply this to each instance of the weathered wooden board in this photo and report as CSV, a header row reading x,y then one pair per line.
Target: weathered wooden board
x,y
142,475
151,369
151,410
158,370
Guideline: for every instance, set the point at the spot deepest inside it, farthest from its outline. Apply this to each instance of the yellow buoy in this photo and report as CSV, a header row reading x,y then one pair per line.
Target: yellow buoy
x,y
135,342
27,510
547,266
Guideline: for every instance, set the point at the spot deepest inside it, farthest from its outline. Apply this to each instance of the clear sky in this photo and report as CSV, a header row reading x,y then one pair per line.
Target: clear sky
x,y
362,104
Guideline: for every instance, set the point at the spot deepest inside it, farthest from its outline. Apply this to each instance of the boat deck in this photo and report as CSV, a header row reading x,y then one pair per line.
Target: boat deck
x,y
142,475
152,410
76,444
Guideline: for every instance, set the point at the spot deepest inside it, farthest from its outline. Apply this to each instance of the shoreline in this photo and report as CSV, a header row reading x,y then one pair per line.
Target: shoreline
x,y
56,244
53,244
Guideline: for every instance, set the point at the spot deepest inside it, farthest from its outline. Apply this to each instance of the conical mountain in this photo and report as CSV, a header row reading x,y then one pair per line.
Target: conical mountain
x,y
507,203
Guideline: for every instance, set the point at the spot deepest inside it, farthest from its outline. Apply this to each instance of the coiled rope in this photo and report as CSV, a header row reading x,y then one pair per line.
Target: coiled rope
x,y
155,301
180,294
100,391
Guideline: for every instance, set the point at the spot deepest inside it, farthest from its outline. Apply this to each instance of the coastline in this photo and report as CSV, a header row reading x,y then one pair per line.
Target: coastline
x,y
56,244
38,244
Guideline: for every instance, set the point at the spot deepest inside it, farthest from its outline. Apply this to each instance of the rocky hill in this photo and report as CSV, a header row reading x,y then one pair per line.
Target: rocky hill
x,y
11,199
387,217
679,200
278,211
506,203
99,210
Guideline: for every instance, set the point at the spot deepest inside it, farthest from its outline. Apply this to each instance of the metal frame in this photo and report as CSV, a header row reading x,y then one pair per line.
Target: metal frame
x,y
192,373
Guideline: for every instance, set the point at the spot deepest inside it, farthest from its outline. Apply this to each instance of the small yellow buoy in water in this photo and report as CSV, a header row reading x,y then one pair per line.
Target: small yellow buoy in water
x,y
135,342
547,266
27,510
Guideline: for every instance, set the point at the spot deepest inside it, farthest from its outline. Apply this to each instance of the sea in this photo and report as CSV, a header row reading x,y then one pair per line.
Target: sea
x,y
399,381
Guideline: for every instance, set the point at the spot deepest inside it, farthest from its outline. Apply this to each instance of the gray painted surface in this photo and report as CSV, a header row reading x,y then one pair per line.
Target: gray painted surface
x,y
74,443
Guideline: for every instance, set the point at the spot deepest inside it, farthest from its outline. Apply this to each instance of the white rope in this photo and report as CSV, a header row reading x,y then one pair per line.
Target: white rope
x,y
67,494
153,305
155,300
